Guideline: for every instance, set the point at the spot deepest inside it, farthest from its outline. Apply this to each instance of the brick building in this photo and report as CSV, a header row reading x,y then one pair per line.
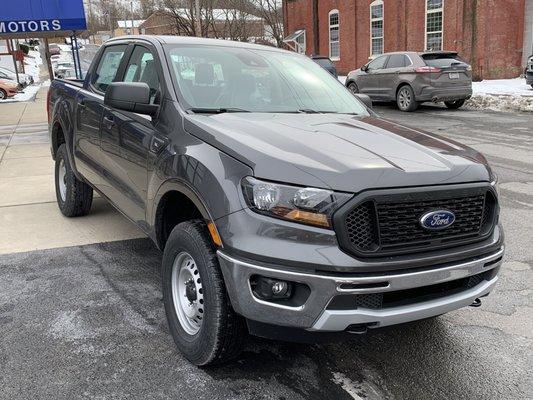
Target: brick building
x,y
495,36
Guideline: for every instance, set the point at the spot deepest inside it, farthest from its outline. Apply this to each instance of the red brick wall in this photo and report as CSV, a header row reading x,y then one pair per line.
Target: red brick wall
x,y
487,33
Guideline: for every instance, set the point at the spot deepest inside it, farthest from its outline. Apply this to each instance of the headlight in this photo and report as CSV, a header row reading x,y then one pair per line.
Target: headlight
x,y
306,205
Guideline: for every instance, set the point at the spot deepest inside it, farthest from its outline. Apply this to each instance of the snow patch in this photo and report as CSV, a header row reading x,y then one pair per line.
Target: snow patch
x,y
347,384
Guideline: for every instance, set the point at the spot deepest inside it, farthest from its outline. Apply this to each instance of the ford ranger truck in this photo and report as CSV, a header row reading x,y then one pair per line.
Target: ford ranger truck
x,y
284,206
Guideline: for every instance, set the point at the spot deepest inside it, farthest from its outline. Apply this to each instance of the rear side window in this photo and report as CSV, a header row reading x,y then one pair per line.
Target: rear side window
x,y
397,61
442,60
108,67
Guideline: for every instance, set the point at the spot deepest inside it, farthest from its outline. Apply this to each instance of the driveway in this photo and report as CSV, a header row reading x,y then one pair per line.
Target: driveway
x,y
87,321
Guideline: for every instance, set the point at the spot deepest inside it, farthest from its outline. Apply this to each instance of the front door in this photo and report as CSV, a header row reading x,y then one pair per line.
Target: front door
x,y
127,138
369,80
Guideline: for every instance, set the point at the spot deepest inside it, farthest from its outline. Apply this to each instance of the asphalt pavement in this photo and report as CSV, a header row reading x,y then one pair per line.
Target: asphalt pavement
x,y
87,321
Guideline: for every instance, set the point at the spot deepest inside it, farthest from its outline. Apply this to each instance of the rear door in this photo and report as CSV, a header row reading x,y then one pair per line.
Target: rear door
x,y
369,80
127,138
452,70
89,110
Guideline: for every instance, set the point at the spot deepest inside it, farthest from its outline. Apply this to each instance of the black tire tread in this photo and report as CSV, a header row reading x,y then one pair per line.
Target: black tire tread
x,y
230,327
79,194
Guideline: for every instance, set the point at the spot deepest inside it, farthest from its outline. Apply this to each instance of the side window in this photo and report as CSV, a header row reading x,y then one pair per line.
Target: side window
x,y
141,68
396,61
378,63
108,67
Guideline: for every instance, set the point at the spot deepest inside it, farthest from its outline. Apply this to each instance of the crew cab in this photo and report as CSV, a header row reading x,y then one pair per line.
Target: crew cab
x,y
284,206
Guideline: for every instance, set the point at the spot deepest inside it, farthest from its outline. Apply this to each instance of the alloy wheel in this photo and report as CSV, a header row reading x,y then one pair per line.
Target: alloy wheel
x,y
404,98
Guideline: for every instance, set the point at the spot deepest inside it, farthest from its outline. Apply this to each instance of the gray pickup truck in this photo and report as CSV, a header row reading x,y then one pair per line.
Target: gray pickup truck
x,y
285,207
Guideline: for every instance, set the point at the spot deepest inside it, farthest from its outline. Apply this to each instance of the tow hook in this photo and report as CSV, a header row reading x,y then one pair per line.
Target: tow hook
x,y
476,303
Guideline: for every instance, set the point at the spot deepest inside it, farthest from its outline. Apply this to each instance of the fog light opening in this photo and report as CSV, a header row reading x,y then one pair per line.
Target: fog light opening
x,y
270,289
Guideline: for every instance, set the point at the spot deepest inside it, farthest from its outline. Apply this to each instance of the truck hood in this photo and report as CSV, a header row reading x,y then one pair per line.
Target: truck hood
x,y
342,152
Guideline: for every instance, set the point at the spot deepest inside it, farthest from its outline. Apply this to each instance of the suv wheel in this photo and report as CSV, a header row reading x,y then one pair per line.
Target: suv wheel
x,y
74,197
454,105
200,317
352,87
405,99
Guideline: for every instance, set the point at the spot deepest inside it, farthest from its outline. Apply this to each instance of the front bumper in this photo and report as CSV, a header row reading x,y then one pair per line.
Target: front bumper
x,y
314,314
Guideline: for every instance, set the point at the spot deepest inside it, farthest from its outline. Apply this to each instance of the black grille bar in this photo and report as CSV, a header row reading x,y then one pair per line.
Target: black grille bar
x,y
376,224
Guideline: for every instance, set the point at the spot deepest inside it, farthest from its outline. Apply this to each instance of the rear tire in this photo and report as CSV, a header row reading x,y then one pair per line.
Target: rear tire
x,y
74,197
352,87
405,99
454,105
200,317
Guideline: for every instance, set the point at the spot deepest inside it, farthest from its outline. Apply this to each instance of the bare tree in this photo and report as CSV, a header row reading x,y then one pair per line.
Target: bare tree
x,y
272,14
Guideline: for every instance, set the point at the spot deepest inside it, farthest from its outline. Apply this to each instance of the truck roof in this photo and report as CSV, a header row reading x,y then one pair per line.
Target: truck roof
x,y
167,39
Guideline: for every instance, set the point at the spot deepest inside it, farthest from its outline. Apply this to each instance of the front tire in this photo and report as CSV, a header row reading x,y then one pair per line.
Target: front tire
x,y
454,105
74,197
3,94
200,317
405,99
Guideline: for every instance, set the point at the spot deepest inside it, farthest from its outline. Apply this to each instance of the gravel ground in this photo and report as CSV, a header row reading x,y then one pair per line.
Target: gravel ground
x,y
88,322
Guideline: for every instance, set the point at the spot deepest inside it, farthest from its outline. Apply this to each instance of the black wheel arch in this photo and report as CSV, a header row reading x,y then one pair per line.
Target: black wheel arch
x,y
175,188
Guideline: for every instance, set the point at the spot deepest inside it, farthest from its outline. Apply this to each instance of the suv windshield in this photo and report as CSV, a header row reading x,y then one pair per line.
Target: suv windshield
x,y
226,78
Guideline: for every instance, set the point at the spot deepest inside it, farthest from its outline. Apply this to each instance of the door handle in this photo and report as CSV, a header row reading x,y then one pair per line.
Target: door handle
x,y
109,121
158,144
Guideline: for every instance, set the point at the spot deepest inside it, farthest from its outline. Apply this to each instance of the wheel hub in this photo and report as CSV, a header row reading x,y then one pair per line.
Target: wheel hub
x,y
187,293
62,180
190,290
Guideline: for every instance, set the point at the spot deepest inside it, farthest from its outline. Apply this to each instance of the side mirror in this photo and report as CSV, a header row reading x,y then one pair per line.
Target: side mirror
x,y
364,68
367,101
130,96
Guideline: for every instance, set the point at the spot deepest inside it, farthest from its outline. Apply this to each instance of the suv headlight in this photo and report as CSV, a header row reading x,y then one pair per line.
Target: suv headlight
x,y
305,205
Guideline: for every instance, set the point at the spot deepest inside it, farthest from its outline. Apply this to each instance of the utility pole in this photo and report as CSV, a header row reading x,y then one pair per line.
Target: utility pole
x,y
198,21
131,10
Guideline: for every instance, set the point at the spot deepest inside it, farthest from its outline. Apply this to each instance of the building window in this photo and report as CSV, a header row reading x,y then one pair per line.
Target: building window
x,y
334,49
434,14
376,28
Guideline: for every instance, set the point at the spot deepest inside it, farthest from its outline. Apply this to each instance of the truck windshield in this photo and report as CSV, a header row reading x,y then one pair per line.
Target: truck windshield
x,y
226,78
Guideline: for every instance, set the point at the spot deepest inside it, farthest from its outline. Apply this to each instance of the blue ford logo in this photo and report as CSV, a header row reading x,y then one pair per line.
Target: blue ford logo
x,y
436,220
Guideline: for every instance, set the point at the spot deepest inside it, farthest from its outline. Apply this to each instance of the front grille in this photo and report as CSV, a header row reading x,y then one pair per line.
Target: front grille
x,y
390,224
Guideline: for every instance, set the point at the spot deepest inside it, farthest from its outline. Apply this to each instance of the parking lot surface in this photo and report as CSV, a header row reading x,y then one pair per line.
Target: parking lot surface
x,y
87,321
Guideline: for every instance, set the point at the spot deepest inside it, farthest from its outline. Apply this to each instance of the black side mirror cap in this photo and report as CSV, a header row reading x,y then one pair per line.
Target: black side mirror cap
x,y
364,68
365,99
130,96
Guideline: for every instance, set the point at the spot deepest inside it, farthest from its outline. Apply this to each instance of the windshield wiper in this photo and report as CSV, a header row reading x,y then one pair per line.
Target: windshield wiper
x,y
200,110
311,111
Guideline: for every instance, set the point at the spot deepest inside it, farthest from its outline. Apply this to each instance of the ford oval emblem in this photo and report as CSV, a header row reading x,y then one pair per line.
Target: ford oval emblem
x,y
436,220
